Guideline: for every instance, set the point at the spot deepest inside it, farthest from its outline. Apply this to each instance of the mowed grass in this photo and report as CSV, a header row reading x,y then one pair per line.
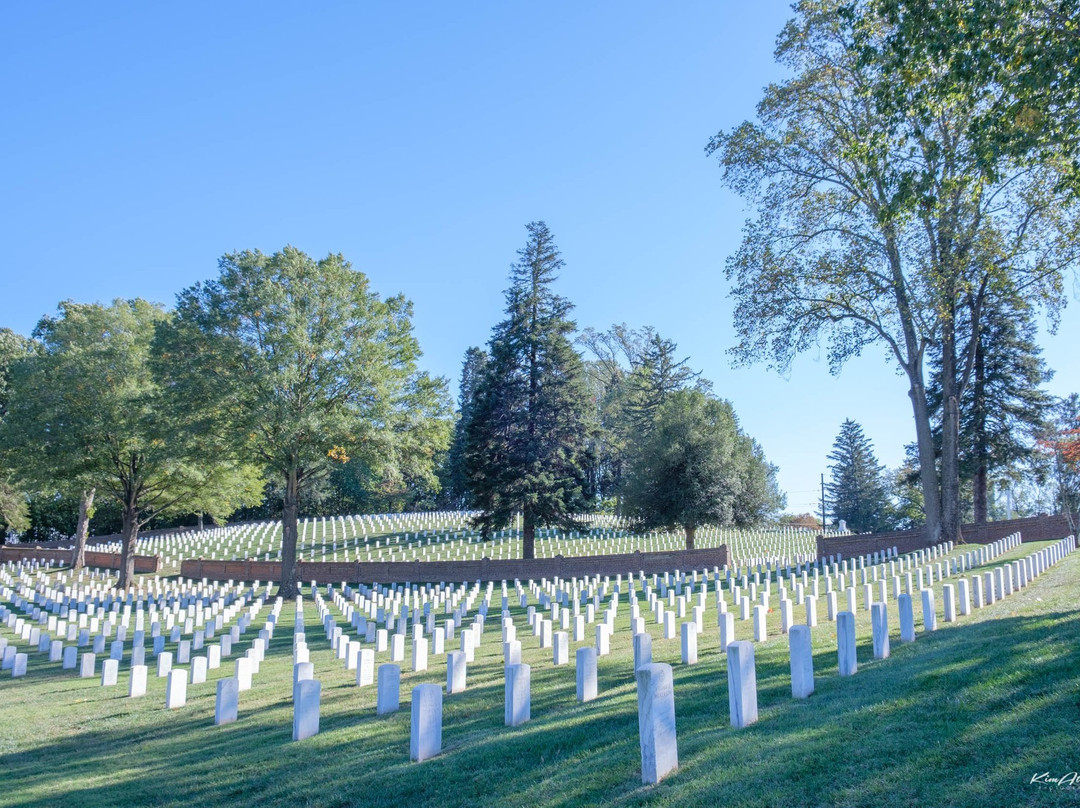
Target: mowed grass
x,y
965,715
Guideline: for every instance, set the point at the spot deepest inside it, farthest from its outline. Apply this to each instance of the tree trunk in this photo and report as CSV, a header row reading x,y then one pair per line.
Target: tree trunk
x,y
982,460
128,537
928,477
911,360
82,528
690,532
200,522
528,534
950,436
290,571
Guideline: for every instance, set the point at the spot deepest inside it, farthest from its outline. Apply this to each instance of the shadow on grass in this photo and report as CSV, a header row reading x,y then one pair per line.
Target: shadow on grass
x,y
960,717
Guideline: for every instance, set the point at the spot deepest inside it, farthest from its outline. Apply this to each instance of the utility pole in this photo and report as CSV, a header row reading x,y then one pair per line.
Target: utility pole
x,y
822,504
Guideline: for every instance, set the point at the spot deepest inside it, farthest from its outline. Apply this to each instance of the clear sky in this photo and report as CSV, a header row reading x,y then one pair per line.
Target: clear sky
x,y
142,141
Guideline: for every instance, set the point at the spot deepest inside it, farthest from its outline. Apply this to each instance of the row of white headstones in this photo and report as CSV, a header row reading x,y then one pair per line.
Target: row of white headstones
x,y
392,617
438,536
392,606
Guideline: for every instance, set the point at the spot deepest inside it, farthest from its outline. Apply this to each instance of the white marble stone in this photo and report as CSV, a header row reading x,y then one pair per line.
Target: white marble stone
x,y
110,672
929,613
586,673
656,722
689,642
802,662
727,631
516,703
455,672
561,648
365,667
87,665
845,643
176,689
907,618
307,693
879,626
742,684
227,701
425,731
642,650
137,682
388,696
420,656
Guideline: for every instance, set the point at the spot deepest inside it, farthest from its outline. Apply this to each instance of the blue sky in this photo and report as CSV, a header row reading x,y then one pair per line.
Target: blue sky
x,y
142,141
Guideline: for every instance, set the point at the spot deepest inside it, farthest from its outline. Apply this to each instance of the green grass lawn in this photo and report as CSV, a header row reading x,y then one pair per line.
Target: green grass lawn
x,y
963,716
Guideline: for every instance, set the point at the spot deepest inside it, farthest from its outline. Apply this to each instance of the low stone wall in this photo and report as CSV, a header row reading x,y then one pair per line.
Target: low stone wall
x,y
1035,528
482,570
106,561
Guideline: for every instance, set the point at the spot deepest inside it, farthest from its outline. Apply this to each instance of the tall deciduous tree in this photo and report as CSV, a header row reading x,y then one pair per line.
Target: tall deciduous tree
x,y
13,501
857,490
873,227
302,364
527,432
88,411
695,467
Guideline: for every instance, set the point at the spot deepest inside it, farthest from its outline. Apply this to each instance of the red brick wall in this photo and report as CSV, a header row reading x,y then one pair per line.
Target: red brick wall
x,y
1036,528
108,561
450,571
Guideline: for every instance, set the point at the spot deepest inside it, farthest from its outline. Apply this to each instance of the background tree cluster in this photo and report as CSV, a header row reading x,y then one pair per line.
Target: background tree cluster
x,y
285,378
548,435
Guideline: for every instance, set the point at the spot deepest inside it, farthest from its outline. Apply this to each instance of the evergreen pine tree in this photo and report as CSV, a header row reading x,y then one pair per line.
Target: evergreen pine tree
x,y
857,491
527,432
456,492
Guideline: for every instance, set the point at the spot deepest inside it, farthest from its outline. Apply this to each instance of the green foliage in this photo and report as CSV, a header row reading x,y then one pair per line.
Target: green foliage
x,y
883,224
14,514
695,467
1020,59
634,370
526,437
857,491
303,369
87,410
1003,410
456,493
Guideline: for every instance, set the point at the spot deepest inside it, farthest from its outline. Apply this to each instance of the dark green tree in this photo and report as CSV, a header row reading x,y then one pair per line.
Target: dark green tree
x,y
634,370
456,492
301,368
527,433
857,491
1003,409
694,466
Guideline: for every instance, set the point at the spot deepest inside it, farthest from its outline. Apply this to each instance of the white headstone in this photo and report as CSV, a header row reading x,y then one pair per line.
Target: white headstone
x,y
742,684
425,732
306,696
517,694
656,722
802,662
388,697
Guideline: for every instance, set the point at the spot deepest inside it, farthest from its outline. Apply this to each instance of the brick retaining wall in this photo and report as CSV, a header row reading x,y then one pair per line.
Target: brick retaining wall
x,y
483,570
1035,528
107,561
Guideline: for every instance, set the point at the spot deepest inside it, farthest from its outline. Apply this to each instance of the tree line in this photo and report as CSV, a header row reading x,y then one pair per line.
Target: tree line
x,y
286,382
